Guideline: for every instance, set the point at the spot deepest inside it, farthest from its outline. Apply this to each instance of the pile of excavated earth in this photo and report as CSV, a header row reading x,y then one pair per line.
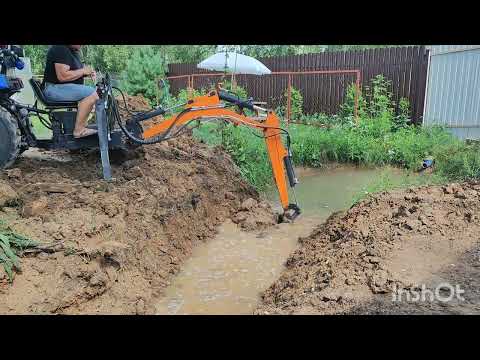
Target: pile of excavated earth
x,y
113,247
387,255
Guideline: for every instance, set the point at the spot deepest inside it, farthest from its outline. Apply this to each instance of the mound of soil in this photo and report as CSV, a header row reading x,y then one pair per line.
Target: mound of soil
x,y
367,260
113,247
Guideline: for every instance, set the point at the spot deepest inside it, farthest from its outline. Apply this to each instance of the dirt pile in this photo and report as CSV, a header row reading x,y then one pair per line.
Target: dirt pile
x,y
401,240
133,104
113,247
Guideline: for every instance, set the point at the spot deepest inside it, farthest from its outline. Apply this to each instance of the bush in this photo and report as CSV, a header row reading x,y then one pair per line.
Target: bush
x,y
402,120
296,111
296,104
379,98
142,71
182,97
347,109
247,150
239,91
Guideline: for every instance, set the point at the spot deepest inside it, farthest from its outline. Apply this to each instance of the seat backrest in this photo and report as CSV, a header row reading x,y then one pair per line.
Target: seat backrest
x,y
37,89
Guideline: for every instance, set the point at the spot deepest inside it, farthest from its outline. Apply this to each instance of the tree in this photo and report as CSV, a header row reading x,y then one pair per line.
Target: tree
x,y
186,53
357,47
144,67
107,58
37,55
259,51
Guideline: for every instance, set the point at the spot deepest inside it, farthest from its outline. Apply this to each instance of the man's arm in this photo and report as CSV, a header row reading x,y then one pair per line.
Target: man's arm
x,y
64,74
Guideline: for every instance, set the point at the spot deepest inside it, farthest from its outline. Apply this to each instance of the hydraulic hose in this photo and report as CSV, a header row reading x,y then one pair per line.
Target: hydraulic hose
x,y
132,137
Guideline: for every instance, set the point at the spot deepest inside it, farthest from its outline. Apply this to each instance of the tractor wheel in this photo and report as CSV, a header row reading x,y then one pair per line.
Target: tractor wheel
x,y
10,137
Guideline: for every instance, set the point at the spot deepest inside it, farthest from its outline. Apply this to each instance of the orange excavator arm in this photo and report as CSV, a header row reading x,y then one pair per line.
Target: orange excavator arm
x,y
210,106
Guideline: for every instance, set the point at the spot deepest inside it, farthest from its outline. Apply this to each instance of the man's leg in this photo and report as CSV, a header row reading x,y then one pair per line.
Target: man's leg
x,y
85,106
86,97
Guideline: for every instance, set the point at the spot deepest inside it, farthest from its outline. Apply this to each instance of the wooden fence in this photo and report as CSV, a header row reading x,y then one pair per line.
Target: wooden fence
x,y
404,67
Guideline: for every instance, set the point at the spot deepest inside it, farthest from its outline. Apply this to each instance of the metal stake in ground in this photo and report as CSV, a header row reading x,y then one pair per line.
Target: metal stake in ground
x,y
103,138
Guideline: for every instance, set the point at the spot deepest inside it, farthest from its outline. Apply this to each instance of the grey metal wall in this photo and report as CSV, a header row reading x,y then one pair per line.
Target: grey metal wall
x,y
453,89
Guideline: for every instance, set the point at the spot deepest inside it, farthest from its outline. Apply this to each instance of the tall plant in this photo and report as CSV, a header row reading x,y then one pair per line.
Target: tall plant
x,y
142,72
379,97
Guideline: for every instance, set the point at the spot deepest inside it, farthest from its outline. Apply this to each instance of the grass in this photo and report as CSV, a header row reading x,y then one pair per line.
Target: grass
x,y
247,150
386,181
10,244
371,143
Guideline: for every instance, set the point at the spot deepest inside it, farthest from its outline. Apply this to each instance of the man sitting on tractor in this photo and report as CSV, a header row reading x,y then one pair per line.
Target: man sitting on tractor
x,y
64,81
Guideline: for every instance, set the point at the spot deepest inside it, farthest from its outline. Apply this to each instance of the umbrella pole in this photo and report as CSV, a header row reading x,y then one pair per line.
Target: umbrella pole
x,y
234,79
234,82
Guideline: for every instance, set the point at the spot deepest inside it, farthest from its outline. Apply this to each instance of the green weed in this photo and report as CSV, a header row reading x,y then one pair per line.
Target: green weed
x,y
10,244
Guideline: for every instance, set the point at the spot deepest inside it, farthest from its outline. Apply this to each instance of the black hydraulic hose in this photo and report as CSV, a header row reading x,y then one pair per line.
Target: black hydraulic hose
x,y
124,100
140,117
235,99
151,141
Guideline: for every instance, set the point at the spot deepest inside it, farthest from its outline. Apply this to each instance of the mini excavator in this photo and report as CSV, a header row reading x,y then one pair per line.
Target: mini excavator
x,y
220,104
115,133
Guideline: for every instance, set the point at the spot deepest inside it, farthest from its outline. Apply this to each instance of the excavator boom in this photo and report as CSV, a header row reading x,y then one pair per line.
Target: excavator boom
x,y
211,106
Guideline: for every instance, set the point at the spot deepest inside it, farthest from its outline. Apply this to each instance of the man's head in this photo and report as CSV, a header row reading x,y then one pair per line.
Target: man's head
x,y
75,47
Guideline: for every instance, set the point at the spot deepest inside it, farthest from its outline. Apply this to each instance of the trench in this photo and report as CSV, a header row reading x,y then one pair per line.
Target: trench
x,y
227,274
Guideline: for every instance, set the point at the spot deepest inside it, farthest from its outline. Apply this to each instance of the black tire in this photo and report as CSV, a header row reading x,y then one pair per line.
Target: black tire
x,y
10,138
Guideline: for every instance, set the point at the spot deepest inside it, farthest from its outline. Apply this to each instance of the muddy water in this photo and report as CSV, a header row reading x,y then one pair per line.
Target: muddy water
x,y
226,275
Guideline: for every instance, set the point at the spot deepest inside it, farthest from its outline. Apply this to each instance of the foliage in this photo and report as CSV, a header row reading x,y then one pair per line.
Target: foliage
x,y
37,55
10,244
108,58
379,98
185,53
386,181
143,69
402,120
347,109
296,104
260,51
247,150
182,97
113,58
237,90
357,47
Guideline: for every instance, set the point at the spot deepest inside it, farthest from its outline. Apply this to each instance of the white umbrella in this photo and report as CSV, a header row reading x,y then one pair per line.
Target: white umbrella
x,y
234,63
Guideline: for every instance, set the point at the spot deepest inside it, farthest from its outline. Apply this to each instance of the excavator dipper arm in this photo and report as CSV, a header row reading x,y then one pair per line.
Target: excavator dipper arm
x,y
210,106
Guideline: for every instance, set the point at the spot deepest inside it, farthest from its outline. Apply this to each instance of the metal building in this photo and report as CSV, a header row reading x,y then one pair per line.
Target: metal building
x,y
452,96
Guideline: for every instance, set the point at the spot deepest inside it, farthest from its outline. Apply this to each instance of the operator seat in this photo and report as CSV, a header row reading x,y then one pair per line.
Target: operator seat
x,y
37,89
63,122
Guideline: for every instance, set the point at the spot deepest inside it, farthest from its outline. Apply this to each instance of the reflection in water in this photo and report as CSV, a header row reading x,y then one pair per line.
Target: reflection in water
x,y
225,275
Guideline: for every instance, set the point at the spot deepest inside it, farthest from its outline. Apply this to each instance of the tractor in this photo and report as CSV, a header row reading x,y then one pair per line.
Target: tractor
x,y
117,134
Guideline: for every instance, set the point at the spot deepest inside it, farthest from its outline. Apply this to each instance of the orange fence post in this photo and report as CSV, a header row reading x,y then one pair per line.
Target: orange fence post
x,y
190,88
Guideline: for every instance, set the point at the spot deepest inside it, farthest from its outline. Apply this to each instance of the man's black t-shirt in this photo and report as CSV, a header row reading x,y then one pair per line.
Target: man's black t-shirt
x,y
62,54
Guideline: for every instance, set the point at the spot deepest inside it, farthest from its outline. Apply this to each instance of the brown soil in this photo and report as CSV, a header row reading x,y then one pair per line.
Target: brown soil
x,y
118,244
356,261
